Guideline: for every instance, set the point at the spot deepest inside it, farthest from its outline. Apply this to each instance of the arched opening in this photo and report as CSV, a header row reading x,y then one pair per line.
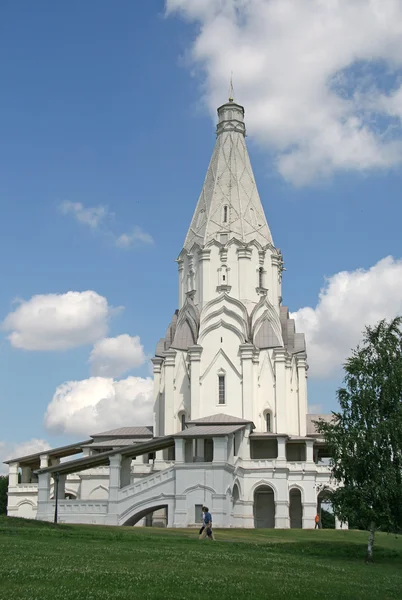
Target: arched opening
x,y
268,421
235,495
264,508
156,516
295,509
324,509
260,277
225,214
182,420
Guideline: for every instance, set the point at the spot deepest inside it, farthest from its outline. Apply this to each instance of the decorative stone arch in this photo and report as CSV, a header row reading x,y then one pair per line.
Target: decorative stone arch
x,y
98,488
198,486
239,487
131,517
263,483
71,492
26,501
224,310
229,300
296,486
222,323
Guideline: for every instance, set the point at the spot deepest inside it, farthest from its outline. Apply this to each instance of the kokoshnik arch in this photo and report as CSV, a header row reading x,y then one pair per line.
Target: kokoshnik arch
x,y
230,426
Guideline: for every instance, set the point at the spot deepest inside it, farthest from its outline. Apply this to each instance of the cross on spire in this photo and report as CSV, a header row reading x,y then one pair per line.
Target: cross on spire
x,y
231,92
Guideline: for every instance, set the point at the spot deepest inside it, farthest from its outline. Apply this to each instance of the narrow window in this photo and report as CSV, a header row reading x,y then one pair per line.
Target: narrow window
x,y
268,421
260,277
225,214
183,422
221,380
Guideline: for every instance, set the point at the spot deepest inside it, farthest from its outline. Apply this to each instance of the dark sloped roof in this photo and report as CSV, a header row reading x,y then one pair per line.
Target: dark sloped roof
x,y
311,428
208,431
60,452
126,432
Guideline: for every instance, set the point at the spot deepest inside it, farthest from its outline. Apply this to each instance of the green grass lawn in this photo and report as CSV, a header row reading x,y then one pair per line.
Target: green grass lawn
x,y
40,561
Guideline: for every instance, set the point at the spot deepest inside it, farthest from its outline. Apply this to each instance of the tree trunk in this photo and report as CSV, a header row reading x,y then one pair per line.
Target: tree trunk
x,y
370,544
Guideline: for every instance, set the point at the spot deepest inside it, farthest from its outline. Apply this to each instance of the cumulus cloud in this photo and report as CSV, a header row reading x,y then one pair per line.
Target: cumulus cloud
x,y
320,80
10,450
112,357
137,236
90,215
97,404
58,321
348,302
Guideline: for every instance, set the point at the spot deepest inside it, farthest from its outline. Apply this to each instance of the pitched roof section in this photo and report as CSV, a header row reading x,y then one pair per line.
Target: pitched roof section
x,y
126,432
229,204
208,431
219,419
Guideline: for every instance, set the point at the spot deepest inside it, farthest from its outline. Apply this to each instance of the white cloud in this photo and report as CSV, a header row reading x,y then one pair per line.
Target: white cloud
x,y
58,321
91,215
310,76
10,450
98,404
349,301
137,236
112,357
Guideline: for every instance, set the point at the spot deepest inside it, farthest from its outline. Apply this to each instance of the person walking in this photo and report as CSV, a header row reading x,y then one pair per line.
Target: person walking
x,y
317,521
206,529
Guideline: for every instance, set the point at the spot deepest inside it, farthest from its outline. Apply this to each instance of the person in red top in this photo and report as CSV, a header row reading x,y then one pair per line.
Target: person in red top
x,y
317,521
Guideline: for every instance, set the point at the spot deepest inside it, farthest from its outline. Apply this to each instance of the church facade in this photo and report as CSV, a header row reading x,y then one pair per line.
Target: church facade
x,y
231,427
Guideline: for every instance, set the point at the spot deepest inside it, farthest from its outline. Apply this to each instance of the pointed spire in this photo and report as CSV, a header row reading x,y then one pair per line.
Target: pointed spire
x,y
231,93
229,205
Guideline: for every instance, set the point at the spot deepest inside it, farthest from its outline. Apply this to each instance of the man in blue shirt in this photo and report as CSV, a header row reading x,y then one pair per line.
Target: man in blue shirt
x,y
207,525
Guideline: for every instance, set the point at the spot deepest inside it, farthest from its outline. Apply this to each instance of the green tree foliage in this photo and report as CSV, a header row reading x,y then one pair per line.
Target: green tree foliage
x,y
327,519
365,436
3,494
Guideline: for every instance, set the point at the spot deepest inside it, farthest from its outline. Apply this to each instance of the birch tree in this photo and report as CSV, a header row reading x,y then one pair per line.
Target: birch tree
x,y
365,436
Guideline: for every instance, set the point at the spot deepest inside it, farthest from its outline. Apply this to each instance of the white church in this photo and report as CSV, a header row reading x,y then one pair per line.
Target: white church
x,y
230,423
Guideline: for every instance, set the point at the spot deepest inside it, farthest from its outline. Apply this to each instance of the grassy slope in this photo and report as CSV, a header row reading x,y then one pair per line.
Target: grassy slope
x,y
40,561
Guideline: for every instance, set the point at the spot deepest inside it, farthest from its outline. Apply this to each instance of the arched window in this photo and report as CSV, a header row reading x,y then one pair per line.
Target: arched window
x,y
221,389
182,419
225,214
260,277
268,423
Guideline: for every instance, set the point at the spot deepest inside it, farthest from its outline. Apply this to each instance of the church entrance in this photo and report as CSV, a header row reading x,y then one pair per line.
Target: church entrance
x,y
295,509
264,508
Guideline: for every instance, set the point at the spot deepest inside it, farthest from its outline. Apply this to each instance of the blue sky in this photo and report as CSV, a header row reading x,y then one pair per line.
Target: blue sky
x,y
102,105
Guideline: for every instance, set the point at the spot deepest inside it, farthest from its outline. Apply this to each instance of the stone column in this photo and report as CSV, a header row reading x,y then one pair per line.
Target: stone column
x,y
309,451
301,362
114,476
114,487
275,261
125,471
43,488
282,520
44,461
281,449
170,356
180,264
246,357
280,389
199,450
244,450
61,487
220,449
179,450
204,257
13,474
157,367
194,353
244,261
